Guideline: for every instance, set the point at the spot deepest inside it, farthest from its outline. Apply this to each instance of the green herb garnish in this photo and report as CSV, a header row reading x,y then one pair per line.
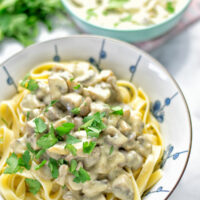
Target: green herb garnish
x,y
40,125
28,115
117,110
72,140
13,164
91,13
88,147
81,176
73,166
24,160
29,83
170,8
33,185
64,129
71,148
53,165
75,111
77,87
39,153
47,140
50,105
40,165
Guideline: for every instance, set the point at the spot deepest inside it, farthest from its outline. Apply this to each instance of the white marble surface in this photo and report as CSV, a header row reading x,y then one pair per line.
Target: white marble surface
x,y
181,56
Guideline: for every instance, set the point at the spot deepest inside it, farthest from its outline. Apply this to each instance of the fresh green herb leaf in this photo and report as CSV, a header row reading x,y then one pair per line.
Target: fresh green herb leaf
x,y
50,105
33,185
39,153
32,85
75,111
93,132
47,140
116,4
62,162
90,13
28,115
71,148
40,165
53,165
88,147
40,125
111,150
64,129
24,81
13,164
82,176
29,147
71,79
170,8
73,166
77,87
117,110
72,140
24,160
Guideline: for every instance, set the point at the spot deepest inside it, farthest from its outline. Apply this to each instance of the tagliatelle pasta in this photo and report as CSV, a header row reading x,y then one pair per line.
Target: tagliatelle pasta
x,y
75,133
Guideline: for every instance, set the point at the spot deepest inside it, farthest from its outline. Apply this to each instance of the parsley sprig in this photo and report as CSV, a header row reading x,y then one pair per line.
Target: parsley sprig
x,y
29,83
64,129
33,185
40,125
50,105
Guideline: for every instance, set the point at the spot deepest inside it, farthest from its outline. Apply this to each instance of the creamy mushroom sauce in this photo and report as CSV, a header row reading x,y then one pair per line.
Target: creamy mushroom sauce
x,y
125,14
120,144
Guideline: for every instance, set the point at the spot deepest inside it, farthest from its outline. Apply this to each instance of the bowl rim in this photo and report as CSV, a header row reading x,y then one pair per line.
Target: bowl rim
x,y
163,23
161,67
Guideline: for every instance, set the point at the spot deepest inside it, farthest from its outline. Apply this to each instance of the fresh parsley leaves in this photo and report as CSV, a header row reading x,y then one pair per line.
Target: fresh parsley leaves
x,y
77,87
53,165
40,125
40,165
39,153
33,185
71,148
111,150
29,83
16,164
27,115
64,129
75,111
88,147
117,110
47,140
170,8
93,124
81,176
72,140
50,105
73,166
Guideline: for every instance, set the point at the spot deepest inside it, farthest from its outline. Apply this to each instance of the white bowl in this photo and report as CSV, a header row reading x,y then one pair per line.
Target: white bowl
x,y
127,62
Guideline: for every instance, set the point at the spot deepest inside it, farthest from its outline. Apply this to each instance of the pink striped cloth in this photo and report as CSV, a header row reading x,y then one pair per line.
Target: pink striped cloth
x,y
191,16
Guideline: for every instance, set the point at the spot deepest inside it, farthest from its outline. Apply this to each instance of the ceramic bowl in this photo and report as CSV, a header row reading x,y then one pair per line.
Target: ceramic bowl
x,y
127,62
129,35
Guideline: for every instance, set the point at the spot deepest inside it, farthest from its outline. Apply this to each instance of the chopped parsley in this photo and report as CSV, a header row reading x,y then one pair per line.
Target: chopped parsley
x,y
117,110
24,160
71,148
33,185
39,153
29,83
64,129
53,165
50,105
73,166
29,147
72,140
88,147
71,79
93,124
90,13
47,140
40,125
170,8
81,176
13,164
111,150
40,165
75,111
77,87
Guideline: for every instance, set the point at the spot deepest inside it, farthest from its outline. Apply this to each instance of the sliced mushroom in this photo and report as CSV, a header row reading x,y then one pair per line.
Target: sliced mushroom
x,y
73,185
78,121
99,197
97,93
43,90
122,187
54,113
124,127
44,172
58,86
71,100
30,101
99,106
116,159
63,171
19,145
113,120
71,196
85,107
94,187
114,173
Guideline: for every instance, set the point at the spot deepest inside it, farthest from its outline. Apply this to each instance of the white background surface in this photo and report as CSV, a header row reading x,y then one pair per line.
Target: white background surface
x,y
181,56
